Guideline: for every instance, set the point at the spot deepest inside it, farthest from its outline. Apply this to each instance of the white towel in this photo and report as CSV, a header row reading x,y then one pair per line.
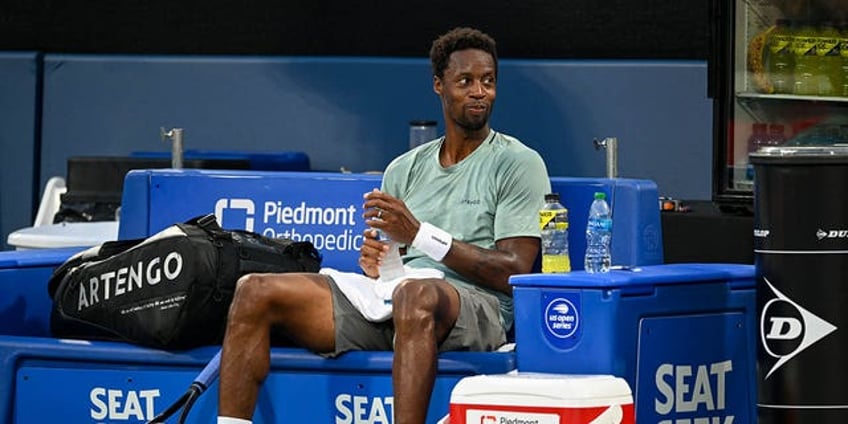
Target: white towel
x,y
373,298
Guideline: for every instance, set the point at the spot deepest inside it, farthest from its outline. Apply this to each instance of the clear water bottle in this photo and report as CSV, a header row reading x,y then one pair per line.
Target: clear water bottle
x,y
598,236
392,266
421,132
553,221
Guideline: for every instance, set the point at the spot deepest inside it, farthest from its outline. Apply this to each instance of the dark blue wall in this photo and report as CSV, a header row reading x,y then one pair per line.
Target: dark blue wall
x,y
18,73
353,112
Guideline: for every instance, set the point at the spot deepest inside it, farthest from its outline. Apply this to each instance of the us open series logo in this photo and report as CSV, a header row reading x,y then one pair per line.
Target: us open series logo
x,y
562,318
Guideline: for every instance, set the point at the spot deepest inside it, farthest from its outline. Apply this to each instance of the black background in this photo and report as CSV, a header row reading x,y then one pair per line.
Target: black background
x,y
650,29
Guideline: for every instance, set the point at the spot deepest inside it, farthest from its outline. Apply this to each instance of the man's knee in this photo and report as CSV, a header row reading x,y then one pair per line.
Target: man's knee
x,y
414,300
253,294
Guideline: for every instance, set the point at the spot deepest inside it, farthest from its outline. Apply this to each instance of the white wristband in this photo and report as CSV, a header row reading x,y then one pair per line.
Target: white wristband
x,y
432,241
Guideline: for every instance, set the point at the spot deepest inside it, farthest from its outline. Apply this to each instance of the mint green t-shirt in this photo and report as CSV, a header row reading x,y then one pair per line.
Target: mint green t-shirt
x,y
494,193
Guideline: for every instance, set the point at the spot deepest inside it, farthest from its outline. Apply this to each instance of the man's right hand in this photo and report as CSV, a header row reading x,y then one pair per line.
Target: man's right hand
x,y
371,254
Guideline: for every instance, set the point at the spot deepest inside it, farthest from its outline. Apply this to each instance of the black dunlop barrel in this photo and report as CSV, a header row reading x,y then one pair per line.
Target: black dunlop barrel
x,y
801,261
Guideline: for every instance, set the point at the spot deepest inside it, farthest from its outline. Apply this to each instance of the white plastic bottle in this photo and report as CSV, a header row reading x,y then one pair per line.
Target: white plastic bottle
x,y
553,222
598,236
392,266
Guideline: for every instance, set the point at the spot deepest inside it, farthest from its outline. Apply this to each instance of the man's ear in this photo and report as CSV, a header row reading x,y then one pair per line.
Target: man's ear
x,y
437,85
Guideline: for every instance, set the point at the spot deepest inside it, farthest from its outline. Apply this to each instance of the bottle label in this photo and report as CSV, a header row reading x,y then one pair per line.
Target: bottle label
x,y
827,46
554,219
804,46
780,43
601,224
556,263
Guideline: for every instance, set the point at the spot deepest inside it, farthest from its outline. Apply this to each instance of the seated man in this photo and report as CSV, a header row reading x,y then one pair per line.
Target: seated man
x,y
466,204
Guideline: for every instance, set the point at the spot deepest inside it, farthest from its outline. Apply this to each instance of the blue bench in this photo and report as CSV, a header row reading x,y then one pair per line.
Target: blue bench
x,y
106,381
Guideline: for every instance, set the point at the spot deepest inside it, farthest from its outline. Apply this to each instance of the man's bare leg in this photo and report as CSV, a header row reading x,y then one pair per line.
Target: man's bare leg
x,y
300,305
424,313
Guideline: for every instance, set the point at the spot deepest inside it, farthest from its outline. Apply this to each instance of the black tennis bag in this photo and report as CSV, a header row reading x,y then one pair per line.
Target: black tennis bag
x,y
171,290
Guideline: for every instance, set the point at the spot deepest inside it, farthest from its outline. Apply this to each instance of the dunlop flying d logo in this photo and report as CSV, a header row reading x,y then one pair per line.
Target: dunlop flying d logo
x,y
245,205
787,329
831,234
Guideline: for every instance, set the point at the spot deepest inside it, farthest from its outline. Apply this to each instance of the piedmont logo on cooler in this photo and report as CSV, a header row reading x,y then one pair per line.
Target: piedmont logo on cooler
x,y
613,414
787,329
491,417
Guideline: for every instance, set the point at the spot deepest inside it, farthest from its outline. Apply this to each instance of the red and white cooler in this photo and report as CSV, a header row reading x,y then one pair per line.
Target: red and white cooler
x,y
537,398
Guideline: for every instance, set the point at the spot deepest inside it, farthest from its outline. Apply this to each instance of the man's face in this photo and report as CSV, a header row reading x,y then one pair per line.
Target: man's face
x,y
467,88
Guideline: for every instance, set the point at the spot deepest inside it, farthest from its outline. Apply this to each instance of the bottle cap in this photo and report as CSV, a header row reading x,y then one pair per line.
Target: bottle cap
x,y
600,195
552,198
422,123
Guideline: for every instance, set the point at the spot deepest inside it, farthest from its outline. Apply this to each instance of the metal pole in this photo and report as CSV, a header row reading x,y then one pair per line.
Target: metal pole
x,y
610,144
612,157
176,137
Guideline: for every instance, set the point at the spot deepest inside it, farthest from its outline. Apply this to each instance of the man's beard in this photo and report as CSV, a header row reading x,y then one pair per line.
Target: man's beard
x,y
473,125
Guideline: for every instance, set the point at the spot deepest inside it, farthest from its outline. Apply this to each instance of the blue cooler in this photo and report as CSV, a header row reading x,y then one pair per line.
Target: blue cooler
x,y
682,335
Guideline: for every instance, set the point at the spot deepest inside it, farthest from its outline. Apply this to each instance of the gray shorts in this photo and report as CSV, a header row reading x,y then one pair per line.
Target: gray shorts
x,y
478,327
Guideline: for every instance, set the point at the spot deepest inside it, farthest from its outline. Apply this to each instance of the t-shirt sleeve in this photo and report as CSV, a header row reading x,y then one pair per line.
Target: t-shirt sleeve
x,y
521,193
392,179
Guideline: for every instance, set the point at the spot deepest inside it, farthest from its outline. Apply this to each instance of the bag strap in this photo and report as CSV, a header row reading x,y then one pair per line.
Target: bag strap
x,y
207,226
207,223
257,249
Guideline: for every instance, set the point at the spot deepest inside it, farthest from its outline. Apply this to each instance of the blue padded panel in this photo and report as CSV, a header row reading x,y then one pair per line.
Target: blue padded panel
x,y
324,208
24,301
302,387
154,199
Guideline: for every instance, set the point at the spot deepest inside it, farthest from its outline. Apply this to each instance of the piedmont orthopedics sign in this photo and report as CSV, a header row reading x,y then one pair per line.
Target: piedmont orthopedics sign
x,y
329,228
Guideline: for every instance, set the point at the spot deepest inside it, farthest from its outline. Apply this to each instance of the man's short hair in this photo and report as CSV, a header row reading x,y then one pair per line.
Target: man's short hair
x,y
459,39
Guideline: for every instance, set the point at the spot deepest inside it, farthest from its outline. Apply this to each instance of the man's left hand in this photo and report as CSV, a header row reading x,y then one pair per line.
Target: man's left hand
x,y
391,216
